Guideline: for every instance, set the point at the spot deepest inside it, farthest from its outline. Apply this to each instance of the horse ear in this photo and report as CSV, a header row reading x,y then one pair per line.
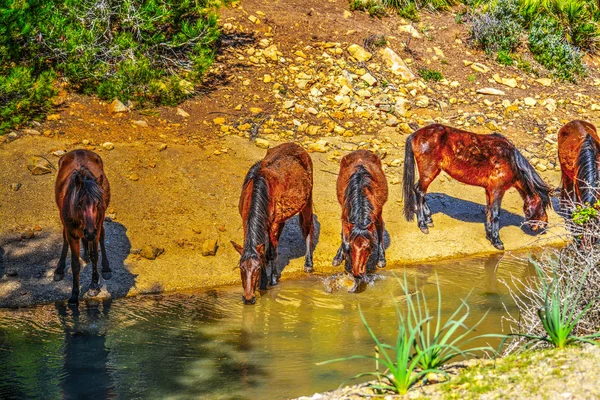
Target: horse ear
x,y
236,246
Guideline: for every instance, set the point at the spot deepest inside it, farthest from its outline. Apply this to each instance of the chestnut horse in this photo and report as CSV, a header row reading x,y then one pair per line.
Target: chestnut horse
x,y
82,195
361,191
488,161
275,189
579,156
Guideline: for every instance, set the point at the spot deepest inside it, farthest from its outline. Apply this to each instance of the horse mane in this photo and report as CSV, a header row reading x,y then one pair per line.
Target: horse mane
x,y
256,225
532,180
359,207
83,183
587,170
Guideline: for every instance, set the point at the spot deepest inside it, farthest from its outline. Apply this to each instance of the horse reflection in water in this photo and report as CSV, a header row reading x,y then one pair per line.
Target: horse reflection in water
x,y
85,372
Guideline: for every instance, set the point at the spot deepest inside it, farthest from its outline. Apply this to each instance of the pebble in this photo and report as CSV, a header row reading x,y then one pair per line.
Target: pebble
x,y
134,177
209,247
117,107
27,234
182,113
151,252
262,143
108,146
359,53
15,187
141,123
39,166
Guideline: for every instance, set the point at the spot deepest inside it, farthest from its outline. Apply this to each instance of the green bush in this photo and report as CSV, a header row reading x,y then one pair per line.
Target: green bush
x,y
504,58
499,28
143,50
551,50
430,74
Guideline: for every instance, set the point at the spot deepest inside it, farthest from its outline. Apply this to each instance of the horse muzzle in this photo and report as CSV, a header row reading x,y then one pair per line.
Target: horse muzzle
x,y
249,301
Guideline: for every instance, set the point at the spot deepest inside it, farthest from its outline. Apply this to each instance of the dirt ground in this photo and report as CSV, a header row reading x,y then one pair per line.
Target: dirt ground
x,y
176,179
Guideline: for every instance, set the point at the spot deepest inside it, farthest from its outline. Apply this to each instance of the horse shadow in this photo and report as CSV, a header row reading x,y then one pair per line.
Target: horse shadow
x,y
468,211
27,268
291,242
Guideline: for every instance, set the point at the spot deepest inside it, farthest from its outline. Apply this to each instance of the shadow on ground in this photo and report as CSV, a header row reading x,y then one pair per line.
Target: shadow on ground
x,y
27,266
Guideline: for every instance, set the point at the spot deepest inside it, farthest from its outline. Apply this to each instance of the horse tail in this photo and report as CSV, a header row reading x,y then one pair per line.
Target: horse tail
x,y
252,173
531,178
587,170
409,180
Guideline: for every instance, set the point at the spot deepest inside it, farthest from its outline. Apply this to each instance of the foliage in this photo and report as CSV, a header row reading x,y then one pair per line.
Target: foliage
x,y
585,214
423,344
504,58
550,49
430,74
405,8
144,50
374,7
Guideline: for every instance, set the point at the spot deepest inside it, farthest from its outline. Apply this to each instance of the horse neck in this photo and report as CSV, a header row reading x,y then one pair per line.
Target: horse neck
x,y
258,215
526,193
357,203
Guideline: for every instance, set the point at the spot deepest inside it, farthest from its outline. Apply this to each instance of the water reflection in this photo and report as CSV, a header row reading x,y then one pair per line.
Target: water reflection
x,y
208,345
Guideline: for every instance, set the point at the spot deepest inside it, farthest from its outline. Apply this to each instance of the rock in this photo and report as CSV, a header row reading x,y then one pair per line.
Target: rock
x,y
108,146
253,19
162,146
12,136
479,67
53,117
405,128
422,101
370,79
347,14
31,132
262,143
411,30
140,123
318,147
117,107
595,107
288,104
530,101
85,142
397,64
15,187
313,130
551,105
401,107
267,78
438,52
27,234
544,81
312,110
392,121
219,121
359,53
182,113
39,166
272,53
491,91
510,82
209,247
151,252
134,177
541,167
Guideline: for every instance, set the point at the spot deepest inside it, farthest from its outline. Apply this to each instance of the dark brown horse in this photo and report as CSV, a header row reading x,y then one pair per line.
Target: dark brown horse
x,y
579,156
362,191
488,161
82,195
275,189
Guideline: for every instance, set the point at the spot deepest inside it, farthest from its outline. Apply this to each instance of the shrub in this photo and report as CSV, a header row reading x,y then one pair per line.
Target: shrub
x,y
492,34
504,58
431,74
551,50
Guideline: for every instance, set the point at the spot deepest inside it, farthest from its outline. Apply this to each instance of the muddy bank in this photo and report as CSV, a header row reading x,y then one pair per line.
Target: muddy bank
x,y
179,197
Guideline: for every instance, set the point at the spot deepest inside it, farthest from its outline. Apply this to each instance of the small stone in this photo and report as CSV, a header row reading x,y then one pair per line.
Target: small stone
x,y
595,107
108,146
359,53
544,81
312,110
53,117
541,167
479,67
288,104
141,123
422,101
162,146
253,19
196,229
117,107
39,166
182,113
551,105
31,132
397,65
530,101
318,147
392,121
85,142
209,247
491,91
15,187
219,121
262,143
313,130
27,234
370,79
151,252
438,52
255,110
134,177
267,78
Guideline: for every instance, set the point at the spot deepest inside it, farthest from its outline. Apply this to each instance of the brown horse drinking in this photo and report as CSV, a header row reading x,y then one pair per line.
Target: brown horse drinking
x,y
362,191
488,161
275,189
82,195
579,156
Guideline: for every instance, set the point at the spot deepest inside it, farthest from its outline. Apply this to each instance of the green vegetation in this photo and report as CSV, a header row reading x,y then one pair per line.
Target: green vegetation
x,y
408,9
430,74
583,215
423,344
504,58
142,50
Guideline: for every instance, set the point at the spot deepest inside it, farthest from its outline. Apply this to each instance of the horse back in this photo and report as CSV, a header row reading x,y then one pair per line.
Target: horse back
x,y
74,160
372,164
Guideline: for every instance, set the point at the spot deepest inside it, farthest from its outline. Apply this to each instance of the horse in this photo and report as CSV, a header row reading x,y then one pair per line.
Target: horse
x,y
488,161
361,191
82,194
274,190
579,156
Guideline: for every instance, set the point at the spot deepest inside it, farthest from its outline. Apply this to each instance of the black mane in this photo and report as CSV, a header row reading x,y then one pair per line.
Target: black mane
x,y
256,229
83,184
587,171
359,207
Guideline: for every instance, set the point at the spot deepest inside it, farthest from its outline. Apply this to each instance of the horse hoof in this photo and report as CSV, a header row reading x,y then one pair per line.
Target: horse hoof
x,y
106,275
58,276
336,262
309,269
498,245
274,281
430,224
94,291
424,229
381,264
74,300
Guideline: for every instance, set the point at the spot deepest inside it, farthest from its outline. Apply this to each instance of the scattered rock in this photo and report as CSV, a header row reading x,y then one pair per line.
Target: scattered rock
x,y
530,101
151,252
479,67
595,107
551,105
544,81
209,247
39,166
27,234
422,101
15,187
318,147
162,146
182,113
392,121
410,30
108,146
219,121
117,107
262,143
53,117
401,107
491,91
31,132
397,64
370,79
134,177
140,123
359,53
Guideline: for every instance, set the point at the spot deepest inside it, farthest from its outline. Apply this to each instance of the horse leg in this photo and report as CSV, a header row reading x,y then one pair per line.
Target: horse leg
x,y
426,176
59,272
306,223
94,289
379,225
75,268
86,250
106,271
492,213
272,253
339,256
566,193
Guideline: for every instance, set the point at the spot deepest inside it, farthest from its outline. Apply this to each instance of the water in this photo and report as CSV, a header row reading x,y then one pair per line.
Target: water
x,y
209,345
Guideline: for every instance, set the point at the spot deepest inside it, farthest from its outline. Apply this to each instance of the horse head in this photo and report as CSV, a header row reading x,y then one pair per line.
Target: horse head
x,y
87,202
250,266
361,246
534,208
